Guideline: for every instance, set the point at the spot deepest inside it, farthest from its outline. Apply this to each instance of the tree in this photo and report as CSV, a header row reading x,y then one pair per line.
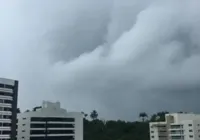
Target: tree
x,y
27,110
94,115
18,110
160,116
84,115
143,116
115,130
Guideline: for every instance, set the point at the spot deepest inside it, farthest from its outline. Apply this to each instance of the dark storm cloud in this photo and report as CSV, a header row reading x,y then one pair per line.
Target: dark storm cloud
x,y
119,57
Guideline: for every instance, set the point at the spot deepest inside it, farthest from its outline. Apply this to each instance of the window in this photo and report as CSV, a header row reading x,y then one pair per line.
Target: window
x,y
53,138
24,118
6,124
163,131
37,119
5,94
1,85
38,125
9,86
161,137
152,136
152,131
7,117
1,108
23,124
49,125
37,132
8,101
189,124
191,136
23,130
1,100
7,109
198,124
60,132
6,132
190,131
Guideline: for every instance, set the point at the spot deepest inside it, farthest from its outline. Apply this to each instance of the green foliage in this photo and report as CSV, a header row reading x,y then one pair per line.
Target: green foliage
x,y
120,130
143,115
115,130
18,110
27,110
94,115
84,115
160,116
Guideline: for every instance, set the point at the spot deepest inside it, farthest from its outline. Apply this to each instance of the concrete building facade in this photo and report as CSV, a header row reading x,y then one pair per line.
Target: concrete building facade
x,y
50,122
8,108
177,126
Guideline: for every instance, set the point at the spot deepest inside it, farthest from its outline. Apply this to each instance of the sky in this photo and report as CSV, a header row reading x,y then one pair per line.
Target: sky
x,y
117,57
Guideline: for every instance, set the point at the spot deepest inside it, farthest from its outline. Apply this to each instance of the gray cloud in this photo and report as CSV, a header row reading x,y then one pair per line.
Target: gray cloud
x,y
119,57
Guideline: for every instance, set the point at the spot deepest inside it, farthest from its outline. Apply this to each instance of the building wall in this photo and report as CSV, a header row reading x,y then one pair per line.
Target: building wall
x,y
49,110
158,131
23,128
178,126
196,129
8,98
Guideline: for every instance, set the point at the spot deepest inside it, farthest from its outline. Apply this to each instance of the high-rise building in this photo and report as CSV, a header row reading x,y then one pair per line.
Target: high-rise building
x,y
8,108
177,126
50,122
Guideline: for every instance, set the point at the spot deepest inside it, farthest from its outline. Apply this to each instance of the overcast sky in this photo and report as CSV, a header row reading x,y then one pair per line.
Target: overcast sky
x,y
120,57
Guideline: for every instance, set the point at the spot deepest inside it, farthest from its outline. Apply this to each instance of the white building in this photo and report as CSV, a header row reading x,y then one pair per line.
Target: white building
x,y
8,108
177,126
50,122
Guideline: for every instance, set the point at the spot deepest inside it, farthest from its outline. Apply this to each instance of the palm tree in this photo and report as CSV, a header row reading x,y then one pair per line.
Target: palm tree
x,y
94,115
143,115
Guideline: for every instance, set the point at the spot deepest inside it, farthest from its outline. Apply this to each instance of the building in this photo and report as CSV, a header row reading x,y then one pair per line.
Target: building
x,y
8,108
177,126
50,122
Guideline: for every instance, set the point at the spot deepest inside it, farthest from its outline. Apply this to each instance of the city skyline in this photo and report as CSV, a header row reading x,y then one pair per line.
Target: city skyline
x,y
110,55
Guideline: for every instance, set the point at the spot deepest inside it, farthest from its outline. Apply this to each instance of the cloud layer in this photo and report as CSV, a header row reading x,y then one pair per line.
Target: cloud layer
x,y
119,57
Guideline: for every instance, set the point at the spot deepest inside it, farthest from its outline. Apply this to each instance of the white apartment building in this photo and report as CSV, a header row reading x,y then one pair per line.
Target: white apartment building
x,y
8,108
177,126
50,122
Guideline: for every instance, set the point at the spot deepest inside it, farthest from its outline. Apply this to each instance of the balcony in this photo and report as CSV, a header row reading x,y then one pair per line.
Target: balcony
x,y
6,105
5,113
6,90
176,137
61,135
61,128
52,122
8,128
6,97
176,132
4,136
5,120
176,127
